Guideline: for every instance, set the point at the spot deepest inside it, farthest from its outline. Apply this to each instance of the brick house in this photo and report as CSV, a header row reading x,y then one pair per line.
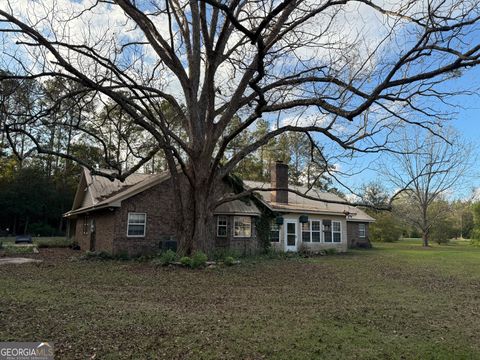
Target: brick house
x,y
135,216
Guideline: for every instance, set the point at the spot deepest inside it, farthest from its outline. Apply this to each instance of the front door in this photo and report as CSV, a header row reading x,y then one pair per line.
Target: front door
x,y
291,235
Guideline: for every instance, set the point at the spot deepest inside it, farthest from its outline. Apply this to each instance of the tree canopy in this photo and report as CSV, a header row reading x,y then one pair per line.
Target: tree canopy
x,y
343,73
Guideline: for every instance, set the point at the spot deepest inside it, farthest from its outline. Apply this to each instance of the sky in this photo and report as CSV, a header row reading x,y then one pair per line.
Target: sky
x,y
465,119
364,22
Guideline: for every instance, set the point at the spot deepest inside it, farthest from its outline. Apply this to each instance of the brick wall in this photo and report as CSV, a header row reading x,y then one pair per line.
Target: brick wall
x,y
353,234
157,203
104,231
239,245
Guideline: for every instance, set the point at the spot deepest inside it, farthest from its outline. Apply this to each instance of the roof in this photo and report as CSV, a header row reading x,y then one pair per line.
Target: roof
x,y
326,204
103,193
238,207
97,192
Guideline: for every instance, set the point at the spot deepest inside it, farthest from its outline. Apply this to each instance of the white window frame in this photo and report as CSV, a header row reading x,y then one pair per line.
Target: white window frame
x,y
362,231
274,227
336,232
223,226
311,231
144,224
234,226
317,231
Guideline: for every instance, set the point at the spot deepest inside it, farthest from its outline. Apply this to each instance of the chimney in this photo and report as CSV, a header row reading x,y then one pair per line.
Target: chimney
x,y
279,180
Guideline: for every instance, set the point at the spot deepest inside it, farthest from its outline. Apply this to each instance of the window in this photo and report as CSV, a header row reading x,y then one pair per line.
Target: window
x,y
311,231
316,230
361,230
306,232
85,225
327,231
274,232
332,231
136,224
242,226
337,231
222,226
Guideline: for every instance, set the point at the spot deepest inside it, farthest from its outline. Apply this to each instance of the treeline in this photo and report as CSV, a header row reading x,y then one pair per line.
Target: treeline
x,y
32,200
449,219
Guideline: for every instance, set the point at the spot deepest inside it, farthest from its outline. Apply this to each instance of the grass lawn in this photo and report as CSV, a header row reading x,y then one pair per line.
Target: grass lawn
x,y
397,301
55,241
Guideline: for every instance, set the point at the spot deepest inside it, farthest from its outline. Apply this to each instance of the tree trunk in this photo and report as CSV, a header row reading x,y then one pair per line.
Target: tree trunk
x,y
197,231
425,238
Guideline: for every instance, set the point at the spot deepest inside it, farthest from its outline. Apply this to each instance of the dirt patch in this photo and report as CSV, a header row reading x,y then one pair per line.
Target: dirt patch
x,y
47,255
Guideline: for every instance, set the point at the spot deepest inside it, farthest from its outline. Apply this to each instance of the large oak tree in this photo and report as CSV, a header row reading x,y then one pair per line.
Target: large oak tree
x,y
349,73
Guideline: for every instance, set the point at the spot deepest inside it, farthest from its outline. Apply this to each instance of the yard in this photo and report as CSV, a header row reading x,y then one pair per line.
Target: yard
x,y
397,301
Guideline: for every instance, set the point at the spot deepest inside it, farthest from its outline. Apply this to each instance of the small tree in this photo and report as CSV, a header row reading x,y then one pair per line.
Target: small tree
x,y
427,168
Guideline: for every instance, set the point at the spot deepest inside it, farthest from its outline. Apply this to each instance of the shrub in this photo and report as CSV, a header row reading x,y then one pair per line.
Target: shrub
x,y
220,254
304,251
229,261
167,257
330,251
186,261
53,243
443,231
123,256
15,249
199,259
97,255
475,242
386,228
275,254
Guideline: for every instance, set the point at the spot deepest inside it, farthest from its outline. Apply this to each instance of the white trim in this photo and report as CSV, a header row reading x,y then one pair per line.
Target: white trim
x,y
337,232
273,223
331,232
242,236
364,231
295,247
144,224
225,226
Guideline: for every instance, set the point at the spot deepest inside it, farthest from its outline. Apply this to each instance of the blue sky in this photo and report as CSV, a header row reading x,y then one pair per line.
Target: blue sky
x,y
465,119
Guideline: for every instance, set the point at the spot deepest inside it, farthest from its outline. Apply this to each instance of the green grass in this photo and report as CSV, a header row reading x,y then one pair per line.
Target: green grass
x,y
12,249
397,301
42,242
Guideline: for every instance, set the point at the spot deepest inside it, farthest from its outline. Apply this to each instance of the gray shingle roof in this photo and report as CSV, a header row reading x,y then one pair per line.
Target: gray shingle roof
x,y
106,193
299,204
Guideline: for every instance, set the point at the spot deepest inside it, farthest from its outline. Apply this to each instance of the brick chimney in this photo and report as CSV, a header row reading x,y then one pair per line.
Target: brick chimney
x,y
279,180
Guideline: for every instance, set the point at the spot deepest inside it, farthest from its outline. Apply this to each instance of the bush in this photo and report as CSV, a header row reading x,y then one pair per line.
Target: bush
x,y
330,251
274,254
199,259
16,249
475,242
220,254
123,256
53,243
229,261
186,261
305,251
166,258
97,255
386,228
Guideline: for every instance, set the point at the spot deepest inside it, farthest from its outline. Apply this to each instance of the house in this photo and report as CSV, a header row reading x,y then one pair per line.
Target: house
x,y
135,216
